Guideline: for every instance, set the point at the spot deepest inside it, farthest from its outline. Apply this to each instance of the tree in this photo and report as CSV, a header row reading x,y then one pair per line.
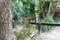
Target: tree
x,y
6,32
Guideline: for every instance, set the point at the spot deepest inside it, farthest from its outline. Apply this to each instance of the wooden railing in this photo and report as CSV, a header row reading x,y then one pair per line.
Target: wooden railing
x,y
39,24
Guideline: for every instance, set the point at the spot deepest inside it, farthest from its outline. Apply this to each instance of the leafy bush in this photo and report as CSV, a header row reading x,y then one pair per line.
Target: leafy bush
x,y
26,30
48,19
22,34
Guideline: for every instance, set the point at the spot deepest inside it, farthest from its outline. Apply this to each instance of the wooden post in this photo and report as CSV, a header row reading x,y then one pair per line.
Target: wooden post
x,y
38,23
39,27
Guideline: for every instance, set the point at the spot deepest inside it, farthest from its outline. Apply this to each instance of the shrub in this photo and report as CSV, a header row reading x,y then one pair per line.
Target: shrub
x,y
48,19
22,34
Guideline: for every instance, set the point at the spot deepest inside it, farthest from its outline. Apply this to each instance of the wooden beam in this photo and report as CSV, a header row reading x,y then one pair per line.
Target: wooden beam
x,y
48,24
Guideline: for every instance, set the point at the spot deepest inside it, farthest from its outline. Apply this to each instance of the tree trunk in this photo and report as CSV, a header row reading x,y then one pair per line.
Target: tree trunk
x,y
49,10
6,32
41,3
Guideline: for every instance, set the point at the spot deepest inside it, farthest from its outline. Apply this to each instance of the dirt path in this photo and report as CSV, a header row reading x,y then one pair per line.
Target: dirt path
x,y
50,35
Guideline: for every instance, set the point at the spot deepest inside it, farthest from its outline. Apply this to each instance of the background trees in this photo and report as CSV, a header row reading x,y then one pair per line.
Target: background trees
x,y
27,9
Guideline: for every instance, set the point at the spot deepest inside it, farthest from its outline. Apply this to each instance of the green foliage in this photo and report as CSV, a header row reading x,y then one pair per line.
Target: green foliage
x,y
22,34
37,7
21,7
24,31
32,7
17,8
46,5
48,19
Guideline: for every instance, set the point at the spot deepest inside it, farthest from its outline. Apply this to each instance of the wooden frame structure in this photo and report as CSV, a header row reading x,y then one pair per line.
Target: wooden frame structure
x,y
39,24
